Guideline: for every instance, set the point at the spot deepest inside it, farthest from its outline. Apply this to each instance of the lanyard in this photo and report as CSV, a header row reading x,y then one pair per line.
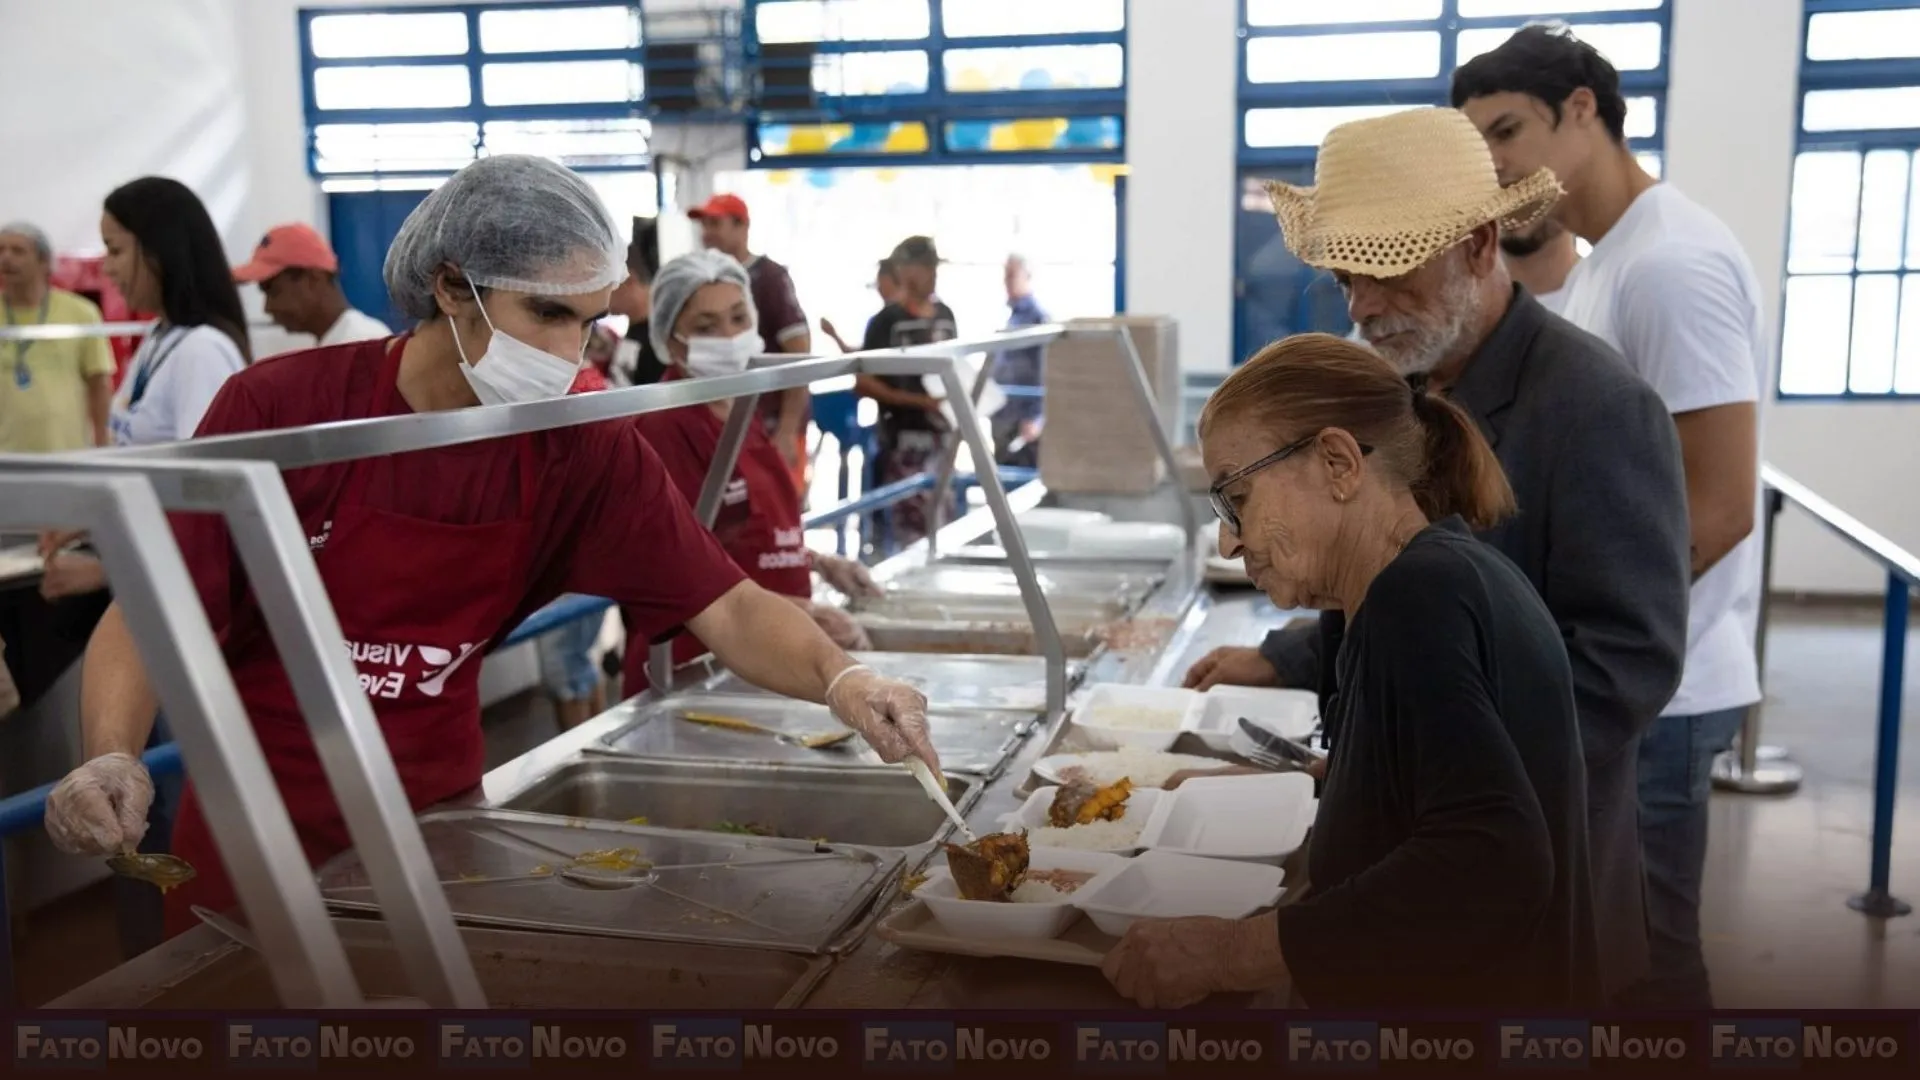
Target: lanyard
x,y
20,374
152,365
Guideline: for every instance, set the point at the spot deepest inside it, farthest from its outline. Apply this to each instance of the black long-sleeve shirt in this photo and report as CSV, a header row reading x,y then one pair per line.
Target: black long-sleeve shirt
x,y
1602,534
1449,856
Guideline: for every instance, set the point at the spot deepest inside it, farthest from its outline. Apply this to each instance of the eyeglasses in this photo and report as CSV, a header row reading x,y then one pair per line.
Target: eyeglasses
x,y
1216,495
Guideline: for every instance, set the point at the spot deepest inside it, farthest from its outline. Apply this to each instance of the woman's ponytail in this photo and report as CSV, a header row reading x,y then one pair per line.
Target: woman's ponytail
x,y
1463,477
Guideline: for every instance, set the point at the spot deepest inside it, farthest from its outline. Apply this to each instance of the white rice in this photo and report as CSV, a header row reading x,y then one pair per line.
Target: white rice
x,y
1134,718
1037,892
1146,768
1093,836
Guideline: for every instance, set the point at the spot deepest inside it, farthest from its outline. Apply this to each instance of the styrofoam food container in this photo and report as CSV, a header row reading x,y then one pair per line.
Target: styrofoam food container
x,y
1247,818
1033,815
1046,528
1180,705
1292,714
1127,540
994,919
1165,885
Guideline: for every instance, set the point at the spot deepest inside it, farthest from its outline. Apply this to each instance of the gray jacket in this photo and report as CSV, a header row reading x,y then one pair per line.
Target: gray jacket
x,y
1602,533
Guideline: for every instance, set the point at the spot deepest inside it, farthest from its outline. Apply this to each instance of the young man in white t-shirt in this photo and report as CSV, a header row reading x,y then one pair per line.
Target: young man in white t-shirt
x,y
1669,286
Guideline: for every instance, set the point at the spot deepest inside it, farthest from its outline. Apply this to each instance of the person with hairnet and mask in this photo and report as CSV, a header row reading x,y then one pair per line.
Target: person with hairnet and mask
x,y
704,323
429,557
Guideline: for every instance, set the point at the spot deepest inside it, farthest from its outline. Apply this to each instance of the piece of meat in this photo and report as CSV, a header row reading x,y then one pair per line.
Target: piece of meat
x,y
990,868
1079,802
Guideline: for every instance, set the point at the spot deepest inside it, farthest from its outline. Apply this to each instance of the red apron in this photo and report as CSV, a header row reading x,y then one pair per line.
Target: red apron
x,y
418,601
757,522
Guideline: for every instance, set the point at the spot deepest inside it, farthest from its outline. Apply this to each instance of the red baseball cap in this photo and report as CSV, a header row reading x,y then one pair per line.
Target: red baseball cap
x,y
287,247
732,206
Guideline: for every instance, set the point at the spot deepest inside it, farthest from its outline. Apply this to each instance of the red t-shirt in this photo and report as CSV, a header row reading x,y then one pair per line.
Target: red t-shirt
x,y
607,520
759,518
781,320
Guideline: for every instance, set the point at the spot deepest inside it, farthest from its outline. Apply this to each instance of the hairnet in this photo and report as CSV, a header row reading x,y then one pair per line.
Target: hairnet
x,y
511,221
34,234
676,283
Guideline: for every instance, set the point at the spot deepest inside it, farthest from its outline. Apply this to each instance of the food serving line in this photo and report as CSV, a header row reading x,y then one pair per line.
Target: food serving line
x,y
624,863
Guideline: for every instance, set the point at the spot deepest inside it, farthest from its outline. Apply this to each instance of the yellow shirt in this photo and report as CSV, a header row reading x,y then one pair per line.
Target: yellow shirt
x,y
43,384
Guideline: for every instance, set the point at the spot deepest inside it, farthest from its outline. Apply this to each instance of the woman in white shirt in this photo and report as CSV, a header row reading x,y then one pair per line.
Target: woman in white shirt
x,y
164,255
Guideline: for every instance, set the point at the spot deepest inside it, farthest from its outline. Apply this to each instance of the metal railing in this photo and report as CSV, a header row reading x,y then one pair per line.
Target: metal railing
x,y
1757,769
119,494
71,331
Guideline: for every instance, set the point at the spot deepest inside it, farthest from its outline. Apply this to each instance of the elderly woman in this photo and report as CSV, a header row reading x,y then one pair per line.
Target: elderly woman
x,y
429,557
704,324
1449,858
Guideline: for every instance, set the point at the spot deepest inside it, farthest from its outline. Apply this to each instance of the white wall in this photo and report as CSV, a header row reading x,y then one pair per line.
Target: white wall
x,y
1730,144
1182,120
276,115
104,91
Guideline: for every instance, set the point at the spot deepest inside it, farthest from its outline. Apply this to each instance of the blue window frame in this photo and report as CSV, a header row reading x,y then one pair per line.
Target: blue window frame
x,y
1851,317
1306,68
397,98
942,82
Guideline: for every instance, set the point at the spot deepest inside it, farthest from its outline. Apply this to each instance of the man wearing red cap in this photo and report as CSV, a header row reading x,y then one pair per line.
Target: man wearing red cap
x,y
783,326
299,276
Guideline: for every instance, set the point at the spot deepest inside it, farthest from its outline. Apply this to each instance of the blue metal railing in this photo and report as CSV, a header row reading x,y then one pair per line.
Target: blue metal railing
x,y
1903,576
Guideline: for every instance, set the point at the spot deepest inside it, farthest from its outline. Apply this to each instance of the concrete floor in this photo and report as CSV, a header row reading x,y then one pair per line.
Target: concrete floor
x,y
1779,871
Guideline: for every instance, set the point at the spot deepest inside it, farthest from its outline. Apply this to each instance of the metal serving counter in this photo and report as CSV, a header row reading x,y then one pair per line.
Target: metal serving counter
x,y
879,809
120,496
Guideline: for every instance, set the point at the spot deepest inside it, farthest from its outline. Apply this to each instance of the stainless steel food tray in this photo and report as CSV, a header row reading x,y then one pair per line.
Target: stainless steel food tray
x,y
1017,683
975,742
511,869
939,608
987,553
1057,581
883,808
1080,636
518,969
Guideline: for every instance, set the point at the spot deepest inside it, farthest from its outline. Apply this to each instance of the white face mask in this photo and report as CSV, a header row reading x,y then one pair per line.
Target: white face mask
x,y
721,355
513,372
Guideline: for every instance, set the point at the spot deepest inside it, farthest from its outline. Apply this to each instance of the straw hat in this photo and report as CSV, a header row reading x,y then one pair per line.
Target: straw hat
x,y
1392,192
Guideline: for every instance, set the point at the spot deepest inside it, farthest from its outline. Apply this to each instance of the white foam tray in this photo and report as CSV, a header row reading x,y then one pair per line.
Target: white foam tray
x,y
1186,703
1292,714
1033,815
1246,818
1048,528
991,919
1127,540
1165,885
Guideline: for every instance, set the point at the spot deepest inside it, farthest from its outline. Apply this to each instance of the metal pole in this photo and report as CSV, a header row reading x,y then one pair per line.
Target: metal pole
x,y
1751,769
726,457
1038,612
155,594
1878,901
352,748
949,457
266,531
